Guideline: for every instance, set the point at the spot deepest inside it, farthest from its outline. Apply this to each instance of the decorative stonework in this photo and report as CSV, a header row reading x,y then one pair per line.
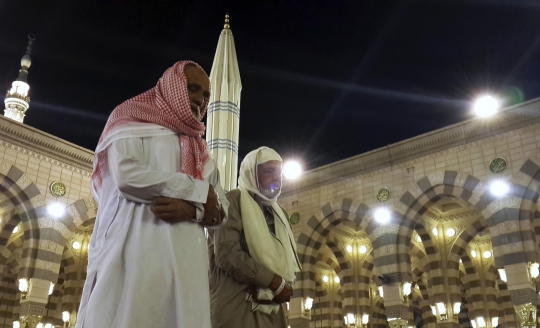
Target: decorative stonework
x,y
23,182
38,200
460,179
46,159
383,194
58,189
72,211
436,178
48,245
388,269
512,247
506,227
384,229
45,265
90,203
4,168
295,218
30,321
452,217
481,241
526,314
385,250
52,223
500,203
498,165
397,323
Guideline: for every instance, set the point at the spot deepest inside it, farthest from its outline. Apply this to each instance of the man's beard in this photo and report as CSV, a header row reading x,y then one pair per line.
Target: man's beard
x,y
271,192
196,110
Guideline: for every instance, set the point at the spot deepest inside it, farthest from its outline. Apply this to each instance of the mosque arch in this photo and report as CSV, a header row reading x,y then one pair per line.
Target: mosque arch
x,y
319,228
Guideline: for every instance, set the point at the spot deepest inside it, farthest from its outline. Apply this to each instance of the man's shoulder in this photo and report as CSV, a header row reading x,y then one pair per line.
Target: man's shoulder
x,y
233,194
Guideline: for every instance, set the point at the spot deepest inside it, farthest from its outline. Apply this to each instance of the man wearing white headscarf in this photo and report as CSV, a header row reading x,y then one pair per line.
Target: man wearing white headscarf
x,y
253,261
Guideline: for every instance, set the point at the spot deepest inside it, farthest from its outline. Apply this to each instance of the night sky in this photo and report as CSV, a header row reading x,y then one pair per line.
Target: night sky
x,y
322,80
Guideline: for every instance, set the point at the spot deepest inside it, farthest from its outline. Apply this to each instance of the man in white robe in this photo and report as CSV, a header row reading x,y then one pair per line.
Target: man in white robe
x,y
157,188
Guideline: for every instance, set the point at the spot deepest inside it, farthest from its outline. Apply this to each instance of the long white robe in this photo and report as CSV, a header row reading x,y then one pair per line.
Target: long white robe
x,y
144,272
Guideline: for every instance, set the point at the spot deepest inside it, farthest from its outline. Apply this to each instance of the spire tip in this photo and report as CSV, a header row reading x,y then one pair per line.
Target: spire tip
x,y
227,26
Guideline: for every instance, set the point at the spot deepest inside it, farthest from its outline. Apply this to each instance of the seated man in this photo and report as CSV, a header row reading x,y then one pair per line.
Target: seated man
x,y
253,261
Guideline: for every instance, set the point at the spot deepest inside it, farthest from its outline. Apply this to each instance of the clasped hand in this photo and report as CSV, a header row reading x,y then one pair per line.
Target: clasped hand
x,y
282,297
173,210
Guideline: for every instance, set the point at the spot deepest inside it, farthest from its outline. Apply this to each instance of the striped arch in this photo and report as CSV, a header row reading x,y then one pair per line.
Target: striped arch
x,y
430,251
331,261
420,267
491,291
53,309
7,225
507,315
337,310
9,262
339,252
473,288
73,281
428,319
427,315
23,200
463,188
512,220
463,316
346,271
536,228
365,280
9,299
55,233
320,227
378,317
320,312
511,223
459,252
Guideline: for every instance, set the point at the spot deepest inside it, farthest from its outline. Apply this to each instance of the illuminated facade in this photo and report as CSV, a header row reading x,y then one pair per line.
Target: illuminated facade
x,y
441,230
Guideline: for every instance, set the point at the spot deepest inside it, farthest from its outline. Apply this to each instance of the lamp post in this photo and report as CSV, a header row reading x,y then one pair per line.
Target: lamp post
x,y
350,320
66,316
440,310
24,286
308,305
406,289
365,320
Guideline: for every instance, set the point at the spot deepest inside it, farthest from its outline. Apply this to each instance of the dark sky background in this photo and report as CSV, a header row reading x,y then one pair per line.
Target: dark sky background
x,y
322,80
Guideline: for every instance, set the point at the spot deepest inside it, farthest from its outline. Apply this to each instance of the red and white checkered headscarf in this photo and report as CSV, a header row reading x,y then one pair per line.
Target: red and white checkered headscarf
x,y
168,105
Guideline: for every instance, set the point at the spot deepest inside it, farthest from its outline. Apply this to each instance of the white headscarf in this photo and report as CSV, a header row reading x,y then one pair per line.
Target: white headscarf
x,y
248,172
275,252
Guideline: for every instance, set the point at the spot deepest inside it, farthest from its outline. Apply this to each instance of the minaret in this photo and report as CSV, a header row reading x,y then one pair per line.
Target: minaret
x,y
223,122
17,100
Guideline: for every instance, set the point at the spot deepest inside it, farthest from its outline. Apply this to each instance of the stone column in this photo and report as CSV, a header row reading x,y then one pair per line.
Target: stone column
x,y
32,308
523,293
397,306
298,318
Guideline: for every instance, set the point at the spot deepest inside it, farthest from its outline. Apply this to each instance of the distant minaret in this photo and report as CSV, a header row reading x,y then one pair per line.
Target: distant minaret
x,y
223,122
17,100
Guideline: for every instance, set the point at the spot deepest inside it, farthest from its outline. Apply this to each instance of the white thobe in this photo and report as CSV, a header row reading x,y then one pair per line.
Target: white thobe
x,y
142,271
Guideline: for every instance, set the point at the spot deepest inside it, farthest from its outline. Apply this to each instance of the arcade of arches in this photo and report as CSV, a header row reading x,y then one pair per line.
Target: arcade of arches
x,y
451,253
